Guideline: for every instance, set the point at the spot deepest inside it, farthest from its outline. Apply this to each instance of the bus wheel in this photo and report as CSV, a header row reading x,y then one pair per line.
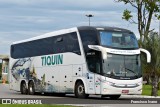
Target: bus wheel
x,y
31,88
23,88
61,94
80,90
114,97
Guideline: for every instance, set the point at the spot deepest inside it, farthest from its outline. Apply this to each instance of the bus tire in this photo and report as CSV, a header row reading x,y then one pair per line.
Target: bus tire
x,y
80,90
114,97
23,88
61,94
31,88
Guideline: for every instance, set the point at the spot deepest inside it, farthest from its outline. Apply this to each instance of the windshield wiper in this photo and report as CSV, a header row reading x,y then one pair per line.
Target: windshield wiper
x,y
132,71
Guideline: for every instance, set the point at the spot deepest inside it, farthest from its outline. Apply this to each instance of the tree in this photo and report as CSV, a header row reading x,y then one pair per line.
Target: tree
x,y
146,9
0,70
153,46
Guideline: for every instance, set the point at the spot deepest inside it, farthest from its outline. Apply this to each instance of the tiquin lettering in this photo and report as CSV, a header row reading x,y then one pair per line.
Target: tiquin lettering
x,y
52,60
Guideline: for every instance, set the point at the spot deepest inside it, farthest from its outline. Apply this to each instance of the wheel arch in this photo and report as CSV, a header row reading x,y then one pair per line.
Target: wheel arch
x,y
30,81
23,81
82,81
23,90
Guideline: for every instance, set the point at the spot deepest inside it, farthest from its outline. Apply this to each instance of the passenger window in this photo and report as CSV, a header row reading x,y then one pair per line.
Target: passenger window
x,y
51,45
12,48
59,39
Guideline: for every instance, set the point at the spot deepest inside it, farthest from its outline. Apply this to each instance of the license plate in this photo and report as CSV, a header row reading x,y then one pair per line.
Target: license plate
x,y
125,91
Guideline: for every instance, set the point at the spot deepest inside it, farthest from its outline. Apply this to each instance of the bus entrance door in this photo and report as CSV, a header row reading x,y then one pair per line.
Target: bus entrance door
x,y
90,82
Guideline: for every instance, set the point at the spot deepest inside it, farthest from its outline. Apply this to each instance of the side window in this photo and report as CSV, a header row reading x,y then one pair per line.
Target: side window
x,y
72,43
58,45
94,62
93,58
66,43
43,46
52,45
59,39
88,37
12,48
12,51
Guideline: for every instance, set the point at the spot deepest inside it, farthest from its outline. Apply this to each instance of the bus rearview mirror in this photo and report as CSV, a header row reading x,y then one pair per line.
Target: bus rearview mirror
x,y
147,54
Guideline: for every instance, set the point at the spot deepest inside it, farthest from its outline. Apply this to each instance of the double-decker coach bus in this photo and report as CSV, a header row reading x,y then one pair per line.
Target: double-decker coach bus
x,y
81,60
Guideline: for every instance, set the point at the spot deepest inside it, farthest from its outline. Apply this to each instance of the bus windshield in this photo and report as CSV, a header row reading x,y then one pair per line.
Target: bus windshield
x,y
122,66
118,40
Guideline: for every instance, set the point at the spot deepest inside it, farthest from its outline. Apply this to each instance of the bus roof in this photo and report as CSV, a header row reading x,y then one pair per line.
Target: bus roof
x,y
63,31
50,34
103,28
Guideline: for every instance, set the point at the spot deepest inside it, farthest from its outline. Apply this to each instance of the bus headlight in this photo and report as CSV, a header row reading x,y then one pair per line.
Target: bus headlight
x,y
139,83
110,83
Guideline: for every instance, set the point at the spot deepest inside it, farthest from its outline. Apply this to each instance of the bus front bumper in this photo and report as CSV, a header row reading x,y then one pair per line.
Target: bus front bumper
x,y
107,90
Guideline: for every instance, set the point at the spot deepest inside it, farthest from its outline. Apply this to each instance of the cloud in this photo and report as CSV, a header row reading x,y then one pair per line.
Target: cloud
x,y
101,5
58,2
20,2
7,38
29,19
22,19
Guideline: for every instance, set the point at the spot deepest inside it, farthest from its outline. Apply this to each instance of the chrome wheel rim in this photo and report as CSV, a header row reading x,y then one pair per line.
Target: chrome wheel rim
x,y
31,89
80,90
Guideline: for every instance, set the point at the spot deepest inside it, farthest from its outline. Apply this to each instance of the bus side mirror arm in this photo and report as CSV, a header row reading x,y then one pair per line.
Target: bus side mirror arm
x,y
99,48
147,53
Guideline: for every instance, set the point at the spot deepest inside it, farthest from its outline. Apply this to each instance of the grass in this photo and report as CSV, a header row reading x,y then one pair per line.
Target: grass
x,y
30,105
147,90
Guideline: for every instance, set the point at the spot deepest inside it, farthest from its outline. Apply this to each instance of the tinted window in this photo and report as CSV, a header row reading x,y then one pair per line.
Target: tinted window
x,y
94,62
118,39
52,45
93,58
88,37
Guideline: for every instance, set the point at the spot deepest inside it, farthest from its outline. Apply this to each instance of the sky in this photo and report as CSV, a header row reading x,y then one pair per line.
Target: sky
x,y
23,19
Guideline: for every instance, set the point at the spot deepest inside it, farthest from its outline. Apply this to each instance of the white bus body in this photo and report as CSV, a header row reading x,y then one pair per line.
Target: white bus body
x,y
68,61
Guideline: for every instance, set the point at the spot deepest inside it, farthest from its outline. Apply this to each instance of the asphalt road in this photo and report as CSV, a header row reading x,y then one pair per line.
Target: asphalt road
x,y
93,100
